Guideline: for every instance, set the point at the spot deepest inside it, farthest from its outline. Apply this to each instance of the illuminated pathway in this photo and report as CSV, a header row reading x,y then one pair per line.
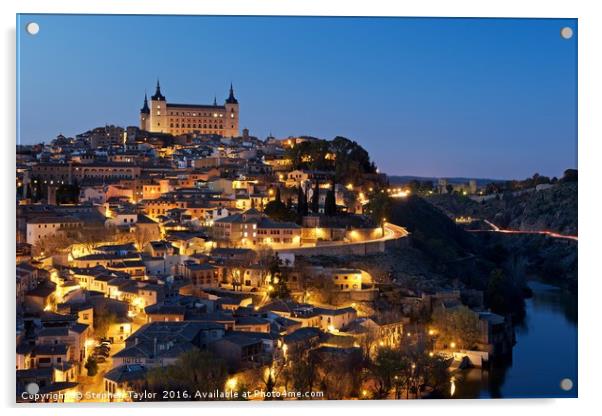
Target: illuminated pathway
x,y
496,229
392,232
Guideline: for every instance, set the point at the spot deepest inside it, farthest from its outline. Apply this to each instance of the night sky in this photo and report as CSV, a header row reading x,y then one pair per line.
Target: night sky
x,y
489,98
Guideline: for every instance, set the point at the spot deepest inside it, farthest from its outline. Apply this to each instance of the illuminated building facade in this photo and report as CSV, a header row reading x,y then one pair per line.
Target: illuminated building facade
x,y
162,117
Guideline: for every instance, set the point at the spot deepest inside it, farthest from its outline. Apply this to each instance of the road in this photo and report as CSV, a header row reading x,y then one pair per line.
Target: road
x,y
496,229
392,232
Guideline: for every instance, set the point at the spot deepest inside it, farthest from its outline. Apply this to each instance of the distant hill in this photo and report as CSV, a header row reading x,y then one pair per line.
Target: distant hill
x,y
402,180
432,231
553,209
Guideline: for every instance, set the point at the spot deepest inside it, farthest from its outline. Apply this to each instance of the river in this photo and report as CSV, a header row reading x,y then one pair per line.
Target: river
x,y
545,353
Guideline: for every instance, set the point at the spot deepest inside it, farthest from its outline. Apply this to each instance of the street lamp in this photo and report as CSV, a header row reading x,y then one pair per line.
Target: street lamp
x,y
231,383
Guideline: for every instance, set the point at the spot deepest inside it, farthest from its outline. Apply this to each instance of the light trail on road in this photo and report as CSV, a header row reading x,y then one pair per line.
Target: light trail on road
x,y
496,229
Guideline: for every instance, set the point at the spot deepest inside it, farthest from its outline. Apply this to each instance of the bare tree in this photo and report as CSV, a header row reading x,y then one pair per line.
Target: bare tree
x,y
142,236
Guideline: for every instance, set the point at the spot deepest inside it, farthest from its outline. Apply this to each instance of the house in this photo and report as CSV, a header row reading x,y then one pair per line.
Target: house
x,y
201,275
302,340
497,334
335,319
27,279
74,336
161,249
120,329
240,255
251,324
240,350
124,378
43,227
40,298
165,313
49,355
161,343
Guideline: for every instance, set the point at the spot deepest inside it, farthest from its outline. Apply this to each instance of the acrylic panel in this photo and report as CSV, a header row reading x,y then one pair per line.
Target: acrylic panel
x,y
295,208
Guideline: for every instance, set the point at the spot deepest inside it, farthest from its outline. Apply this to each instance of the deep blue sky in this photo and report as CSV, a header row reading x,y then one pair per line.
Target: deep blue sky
x,y
491,98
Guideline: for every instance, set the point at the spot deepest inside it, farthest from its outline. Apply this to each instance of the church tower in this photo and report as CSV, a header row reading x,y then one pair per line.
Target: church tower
x,y
158,112
231,116
145,115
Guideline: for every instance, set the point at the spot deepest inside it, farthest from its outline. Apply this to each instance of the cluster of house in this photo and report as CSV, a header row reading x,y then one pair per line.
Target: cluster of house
x,y
161,184
153,242
154,321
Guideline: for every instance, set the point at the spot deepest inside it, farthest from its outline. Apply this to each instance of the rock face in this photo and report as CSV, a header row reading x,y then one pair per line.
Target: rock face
x,y
552,209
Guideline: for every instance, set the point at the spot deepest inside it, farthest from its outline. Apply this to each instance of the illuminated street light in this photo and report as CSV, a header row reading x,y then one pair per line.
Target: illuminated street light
x,y
231,383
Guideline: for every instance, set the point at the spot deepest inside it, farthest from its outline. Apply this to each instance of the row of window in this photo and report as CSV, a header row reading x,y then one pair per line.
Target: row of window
x,y
194,126
274,232
346,277
181,113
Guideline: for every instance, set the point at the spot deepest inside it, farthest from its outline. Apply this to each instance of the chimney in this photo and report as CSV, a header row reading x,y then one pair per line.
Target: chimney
x,y
154,347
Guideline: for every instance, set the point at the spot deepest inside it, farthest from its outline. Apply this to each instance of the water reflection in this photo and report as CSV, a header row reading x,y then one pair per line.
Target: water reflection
x,y
544,354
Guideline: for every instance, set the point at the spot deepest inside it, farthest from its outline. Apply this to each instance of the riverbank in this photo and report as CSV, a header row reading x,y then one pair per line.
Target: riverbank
x,y
545,352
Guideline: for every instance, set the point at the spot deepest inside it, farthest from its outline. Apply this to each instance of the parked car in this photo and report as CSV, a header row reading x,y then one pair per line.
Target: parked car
x,y
102,352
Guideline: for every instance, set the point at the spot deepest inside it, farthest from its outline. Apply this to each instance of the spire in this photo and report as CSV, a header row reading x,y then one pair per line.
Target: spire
x,y
215,100
158,96
145,108
231,99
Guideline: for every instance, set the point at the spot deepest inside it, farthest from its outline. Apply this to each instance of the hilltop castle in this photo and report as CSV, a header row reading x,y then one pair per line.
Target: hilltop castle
x,y
164,117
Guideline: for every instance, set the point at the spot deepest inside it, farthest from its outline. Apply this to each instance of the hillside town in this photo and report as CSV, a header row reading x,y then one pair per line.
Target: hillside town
x,y
180,250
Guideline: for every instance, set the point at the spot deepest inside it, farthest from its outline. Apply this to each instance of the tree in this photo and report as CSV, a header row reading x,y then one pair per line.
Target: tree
x,y
279,278
92,367
315,198
387,364
194,370
235,277
459,325
264,257
53,244
301,203
330,204
570,175
93,236
67,194
142,236
379,208
103,320
339,374
305,204
504,291
276,210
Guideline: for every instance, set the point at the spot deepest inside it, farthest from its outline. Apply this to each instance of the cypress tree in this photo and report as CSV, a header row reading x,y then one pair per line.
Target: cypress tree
x,y
305,204
278,194
330,205
315,198
299,201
